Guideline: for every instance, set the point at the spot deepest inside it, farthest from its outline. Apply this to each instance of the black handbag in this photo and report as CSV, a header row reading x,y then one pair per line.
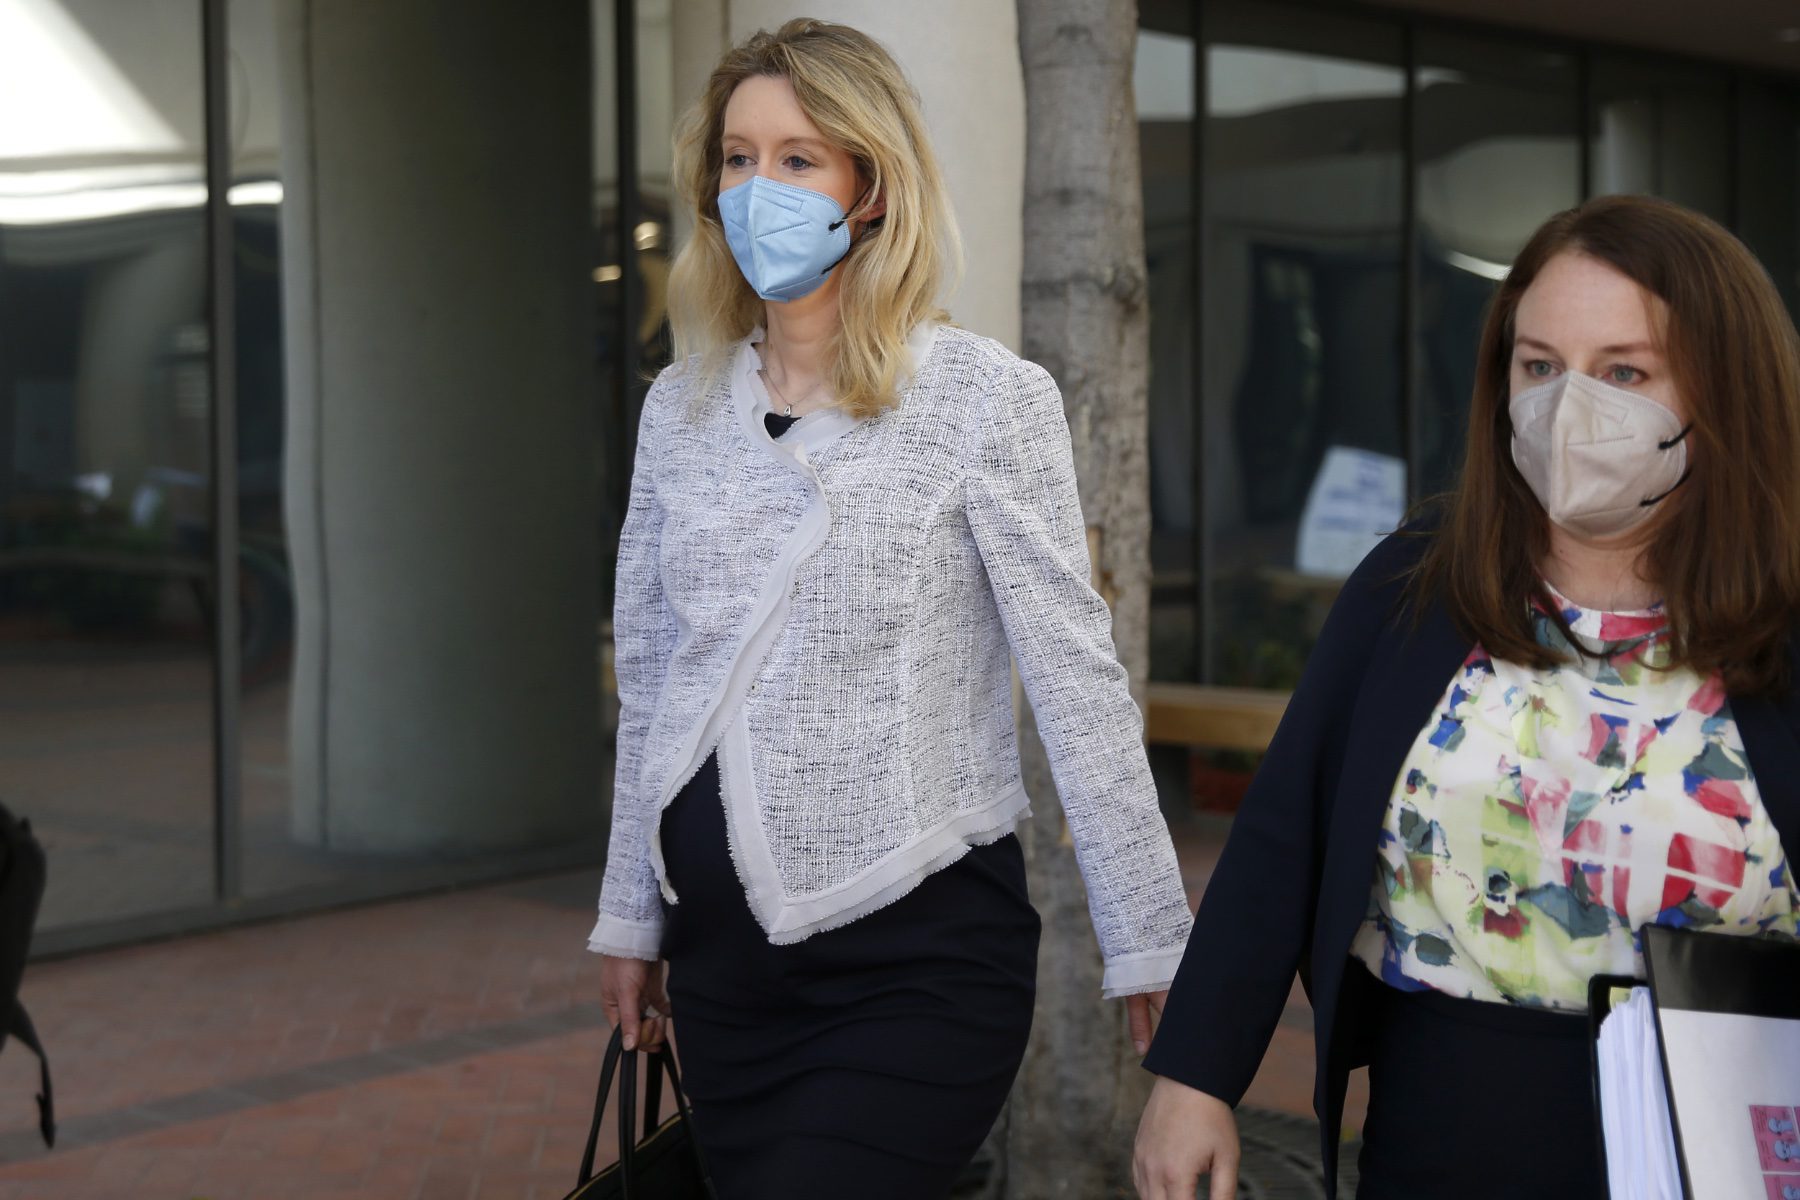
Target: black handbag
x,y
666,1163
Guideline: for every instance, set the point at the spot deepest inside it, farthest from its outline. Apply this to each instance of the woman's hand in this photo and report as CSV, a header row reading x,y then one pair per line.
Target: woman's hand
x,y
1144,1011
632,995
1184,1134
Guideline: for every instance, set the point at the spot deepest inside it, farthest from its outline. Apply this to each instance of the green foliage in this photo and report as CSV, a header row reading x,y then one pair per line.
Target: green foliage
x,y
1264,635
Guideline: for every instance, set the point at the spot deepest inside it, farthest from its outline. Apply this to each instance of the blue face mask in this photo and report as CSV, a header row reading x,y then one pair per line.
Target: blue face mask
x,y
786,239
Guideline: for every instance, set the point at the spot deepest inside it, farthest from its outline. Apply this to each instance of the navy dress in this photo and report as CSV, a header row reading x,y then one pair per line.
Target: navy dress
x,y
867,1060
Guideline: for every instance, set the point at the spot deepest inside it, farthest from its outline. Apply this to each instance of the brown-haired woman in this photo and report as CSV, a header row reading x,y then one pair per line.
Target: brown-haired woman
x,y
1561,711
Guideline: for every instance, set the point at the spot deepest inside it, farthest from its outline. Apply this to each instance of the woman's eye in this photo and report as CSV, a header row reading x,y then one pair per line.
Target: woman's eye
x,y
1537,368
1624,376
796,163
737,162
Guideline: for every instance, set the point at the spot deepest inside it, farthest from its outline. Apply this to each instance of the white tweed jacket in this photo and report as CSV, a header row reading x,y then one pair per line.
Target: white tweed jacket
x,y
835,614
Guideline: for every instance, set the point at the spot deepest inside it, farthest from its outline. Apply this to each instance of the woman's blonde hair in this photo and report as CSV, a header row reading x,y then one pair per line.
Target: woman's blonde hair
x,y
854,91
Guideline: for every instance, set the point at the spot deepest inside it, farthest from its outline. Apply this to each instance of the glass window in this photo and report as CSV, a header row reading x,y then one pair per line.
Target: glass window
x,y
1498,151
610,262
105,530
1768,180
1301,357
635,231
652,238
1165,88
266,600
1661,129
631,272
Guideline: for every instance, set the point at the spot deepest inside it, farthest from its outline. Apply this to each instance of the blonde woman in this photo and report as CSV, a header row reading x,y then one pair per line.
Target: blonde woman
x,y
847,518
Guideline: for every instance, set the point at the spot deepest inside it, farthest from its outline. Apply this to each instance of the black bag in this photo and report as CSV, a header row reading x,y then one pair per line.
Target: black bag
x,y
666,1164
21,890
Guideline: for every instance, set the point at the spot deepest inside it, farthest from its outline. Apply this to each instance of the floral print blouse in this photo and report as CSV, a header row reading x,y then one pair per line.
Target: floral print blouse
x,y
1544,816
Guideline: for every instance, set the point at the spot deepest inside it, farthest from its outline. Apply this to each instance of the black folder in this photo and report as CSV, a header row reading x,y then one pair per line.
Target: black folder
x,y
1728,1026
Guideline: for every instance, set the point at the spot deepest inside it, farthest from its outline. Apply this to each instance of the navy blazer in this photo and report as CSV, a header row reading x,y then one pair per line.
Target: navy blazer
x,y
1292,886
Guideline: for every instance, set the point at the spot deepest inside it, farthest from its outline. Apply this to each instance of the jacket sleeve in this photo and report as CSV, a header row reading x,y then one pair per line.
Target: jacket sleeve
x,y
644,636
1256,918
1025,514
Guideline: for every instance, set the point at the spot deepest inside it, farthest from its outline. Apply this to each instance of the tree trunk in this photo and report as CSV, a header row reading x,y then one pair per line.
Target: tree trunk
x,y
1080,1091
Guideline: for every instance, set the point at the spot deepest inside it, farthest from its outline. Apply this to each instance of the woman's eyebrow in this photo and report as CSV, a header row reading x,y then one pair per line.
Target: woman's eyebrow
x,y
1618,348
810,143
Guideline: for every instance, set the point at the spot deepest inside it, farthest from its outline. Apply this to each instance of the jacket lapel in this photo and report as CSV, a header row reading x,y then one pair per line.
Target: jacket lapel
x,y
1408,673
1771,733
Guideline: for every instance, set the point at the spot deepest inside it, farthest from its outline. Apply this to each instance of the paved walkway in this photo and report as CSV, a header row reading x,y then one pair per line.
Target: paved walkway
x,y
440,1048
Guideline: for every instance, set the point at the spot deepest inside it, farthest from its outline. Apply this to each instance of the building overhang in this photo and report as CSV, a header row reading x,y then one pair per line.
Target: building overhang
x,y
1762,34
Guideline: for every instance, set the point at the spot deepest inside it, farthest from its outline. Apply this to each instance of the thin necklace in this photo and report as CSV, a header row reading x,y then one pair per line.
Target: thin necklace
x,y
787,405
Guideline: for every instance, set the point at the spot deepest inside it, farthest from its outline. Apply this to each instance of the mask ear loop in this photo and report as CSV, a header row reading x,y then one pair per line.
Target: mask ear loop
x,y
837,225
1670,445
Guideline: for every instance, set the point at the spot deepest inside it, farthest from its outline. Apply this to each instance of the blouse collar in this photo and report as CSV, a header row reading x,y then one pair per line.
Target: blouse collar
x,y
822,425
1603,633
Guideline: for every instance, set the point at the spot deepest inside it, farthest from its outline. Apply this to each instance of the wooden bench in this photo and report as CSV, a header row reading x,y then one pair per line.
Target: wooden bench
x,y
1218,718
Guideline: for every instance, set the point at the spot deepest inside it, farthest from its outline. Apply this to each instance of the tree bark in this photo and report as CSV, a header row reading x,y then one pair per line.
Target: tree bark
x,y
1080,1090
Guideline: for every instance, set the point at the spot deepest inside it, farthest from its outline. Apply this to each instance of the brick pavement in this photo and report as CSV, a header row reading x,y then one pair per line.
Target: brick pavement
x,y
438,1048
435,1047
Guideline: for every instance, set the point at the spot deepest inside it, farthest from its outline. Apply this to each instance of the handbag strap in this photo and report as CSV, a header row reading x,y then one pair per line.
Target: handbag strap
x,y
624,1065
666,1060
19,1026
653,1089
627,1122
615,1050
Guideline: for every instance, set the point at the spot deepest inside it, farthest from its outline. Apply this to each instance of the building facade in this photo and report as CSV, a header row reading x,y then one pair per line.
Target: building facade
x,y
344,311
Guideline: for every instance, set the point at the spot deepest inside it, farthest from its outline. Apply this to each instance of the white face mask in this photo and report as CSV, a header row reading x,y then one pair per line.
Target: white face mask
x,y
1598,458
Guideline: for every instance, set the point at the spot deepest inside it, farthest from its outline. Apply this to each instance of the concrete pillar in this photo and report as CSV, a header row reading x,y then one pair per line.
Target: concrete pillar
x,y
441,492
963,56
130,418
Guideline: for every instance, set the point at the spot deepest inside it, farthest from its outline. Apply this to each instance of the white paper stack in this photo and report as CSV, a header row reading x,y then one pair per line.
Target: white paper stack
x,y
1634,1107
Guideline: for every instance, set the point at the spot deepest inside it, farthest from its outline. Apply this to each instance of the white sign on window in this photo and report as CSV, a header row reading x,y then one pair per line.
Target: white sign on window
x,y
1357,498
